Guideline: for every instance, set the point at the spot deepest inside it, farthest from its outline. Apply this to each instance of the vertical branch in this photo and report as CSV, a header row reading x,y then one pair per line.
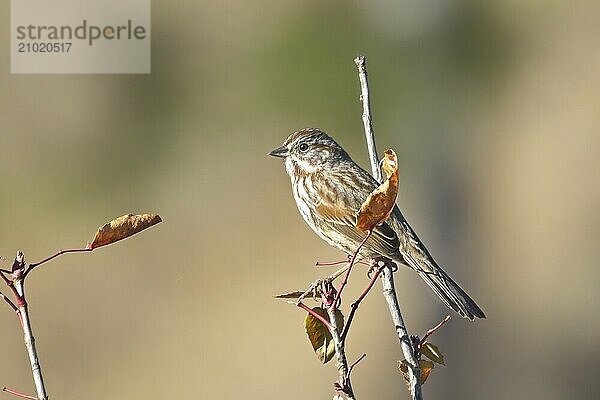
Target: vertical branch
x,y
361,64
344,382
389,290
36,369
414,370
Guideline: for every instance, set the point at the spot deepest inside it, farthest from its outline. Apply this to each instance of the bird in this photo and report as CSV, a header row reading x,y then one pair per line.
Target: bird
x,y
329,189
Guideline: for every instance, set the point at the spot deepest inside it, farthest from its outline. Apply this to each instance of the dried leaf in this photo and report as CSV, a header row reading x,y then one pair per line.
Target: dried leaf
x,y
319,336
122,228
380,203
432,352
290,295
425,365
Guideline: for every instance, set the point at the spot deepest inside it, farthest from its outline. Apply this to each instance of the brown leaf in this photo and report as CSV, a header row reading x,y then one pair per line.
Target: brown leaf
x,y
122,228
290,295
425,365
380,203
432,352
319,336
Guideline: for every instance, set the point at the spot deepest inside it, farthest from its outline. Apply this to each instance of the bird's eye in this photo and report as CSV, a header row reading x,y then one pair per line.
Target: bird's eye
x,y
303,147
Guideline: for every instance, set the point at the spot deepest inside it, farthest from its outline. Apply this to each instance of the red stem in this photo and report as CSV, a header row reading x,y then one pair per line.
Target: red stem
x,y
20,300
314,314
60,253
345,281
354,306
329,264
19,394
432,330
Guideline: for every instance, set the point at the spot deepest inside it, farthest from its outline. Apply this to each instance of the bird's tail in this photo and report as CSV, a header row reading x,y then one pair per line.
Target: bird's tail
x,y
448,291
413,253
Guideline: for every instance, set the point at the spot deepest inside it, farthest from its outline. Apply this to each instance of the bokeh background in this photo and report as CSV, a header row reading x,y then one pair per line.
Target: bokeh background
x,y
492,107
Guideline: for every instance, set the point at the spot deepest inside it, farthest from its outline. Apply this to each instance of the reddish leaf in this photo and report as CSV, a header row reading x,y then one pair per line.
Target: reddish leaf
x,y
380,203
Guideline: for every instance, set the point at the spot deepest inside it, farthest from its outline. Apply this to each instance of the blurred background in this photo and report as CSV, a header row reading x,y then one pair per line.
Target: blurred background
x,y
492,108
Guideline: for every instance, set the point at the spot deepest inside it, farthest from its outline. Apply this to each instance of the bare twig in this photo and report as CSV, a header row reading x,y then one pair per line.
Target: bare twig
x,y
344,384
329,263
361,64
8,301
354,306
36,369
18,394
433,330
356,362
389,290
59,253
414,370
350,265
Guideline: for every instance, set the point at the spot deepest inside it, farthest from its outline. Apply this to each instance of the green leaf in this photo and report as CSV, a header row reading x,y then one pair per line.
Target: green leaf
x,y
319,336
432,352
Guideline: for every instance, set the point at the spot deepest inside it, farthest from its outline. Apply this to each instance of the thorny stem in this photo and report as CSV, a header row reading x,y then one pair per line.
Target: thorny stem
x,y
389,291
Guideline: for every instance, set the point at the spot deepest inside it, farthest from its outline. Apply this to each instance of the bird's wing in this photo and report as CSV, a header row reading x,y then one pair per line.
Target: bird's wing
x,y
383,241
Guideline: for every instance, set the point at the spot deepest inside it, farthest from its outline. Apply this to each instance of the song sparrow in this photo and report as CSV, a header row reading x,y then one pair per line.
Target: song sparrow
x,y
329,189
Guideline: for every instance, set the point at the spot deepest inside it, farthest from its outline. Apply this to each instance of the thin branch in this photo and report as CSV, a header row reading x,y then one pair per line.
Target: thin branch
x,y
5,278
354,306
329,263
361,64
344,383
314,314
433,330
9,302
11,285
414,370
18,394
60,253
389,290
356,362
36,368
338,296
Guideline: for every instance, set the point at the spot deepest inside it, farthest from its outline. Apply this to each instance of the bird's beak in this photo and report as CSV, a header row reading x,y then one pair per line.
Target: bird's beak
x,y
281,152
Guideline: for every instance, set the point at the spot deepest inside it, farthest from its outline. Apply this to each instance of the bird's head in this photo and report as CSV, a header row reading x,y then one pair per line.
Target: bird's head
x,y
308,150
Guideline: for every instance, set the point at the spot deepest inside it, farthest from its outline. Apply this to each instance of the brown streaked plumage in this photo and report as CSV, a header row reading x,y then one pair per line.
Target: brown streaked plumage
x,y
329,189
